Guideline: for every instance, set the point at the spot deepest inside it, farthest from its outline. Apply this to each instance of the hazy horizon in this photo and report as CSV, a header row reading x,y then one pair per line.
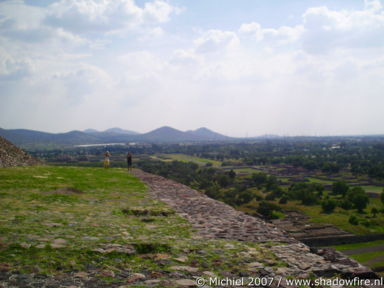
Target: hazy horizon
x,y
244,136
240,68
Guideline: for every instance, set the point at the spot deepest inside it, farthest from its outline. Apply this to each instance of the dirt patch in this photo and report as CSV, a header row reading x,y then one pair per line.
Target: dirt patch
x,y
147,212
66,191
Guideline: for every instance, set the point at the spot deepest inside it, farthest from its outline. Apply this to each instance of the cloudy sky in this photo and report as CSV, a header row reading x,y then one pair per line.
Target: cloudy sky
x,y
240,67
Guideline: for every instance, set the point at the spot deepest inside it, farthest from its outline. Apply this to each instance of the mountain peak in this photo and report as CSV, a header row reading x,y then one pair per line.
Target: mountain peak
x,y
165,129
117,130
208,134
203,129
90,130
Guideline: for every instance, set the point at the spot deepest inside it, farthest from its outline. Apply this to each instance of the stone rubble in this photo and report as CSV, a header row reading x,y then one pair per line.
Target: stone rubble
x,y
10,155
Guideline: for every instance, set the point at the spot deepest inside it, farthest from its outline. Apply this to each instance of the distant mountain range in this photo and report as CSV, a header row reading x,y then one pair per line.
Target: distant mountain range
x,y
34,139
114,130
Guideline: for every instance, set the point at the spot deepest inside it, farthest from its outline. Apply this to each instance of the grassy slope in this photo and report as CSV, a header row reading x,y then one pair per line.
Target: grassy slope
x,y
33,216
92,229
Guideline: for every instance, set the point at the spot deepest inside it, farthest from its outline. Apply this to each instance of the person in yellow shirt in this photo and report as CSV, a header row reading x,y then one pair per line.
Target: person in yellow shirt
x,y
106,159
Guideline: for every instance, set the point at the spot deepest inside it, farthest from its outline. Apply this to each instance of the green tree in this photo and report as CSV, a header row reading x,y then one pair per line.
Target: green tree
x,y
353,220
374,211
359,198
259,179
304,192
267,208
328,205
346,204
232,174
224,180
243,197
340,188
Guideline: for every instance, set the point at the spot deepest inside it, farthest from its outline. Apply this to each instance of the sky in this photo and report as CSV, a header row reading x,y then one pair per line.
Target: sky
x,y
238,67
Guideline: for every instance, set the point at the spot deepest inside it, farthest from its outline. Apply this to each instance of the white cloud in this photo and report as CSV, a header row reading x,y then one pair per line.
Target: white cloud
x,y
323,30
92,16
280,35
159,11
215,40
327,29
13,69
374,5
113,63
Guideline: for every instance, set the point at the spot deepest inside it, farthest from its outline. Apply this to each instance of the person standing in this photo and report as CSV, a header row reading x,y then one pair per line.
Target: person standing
x,y
106,159
129,161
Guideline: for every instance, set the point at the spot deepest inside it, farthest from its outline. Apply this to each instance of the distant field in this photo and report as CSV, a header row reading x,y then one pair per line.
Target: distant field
x,y
340,217
188,158
358,245
316,180
246,170
370,254
374,189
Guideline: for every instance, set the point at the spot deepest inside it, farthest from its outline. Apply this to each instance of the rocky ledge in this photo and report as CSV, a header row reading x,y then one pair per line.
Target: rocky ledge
x,y
10,155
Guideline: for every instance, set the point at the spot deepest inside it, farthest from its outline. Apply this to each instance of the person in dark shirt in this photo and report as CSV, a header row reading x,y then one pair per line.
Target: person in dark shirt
x,y
129,161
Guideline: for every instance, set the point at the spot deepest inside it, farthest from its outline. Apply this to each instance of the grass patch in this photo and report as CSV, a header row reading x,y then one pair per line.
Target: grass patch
x,y
188,158
111,224
321,181
373,189
34,215
245,170
369,257
339,218
358,245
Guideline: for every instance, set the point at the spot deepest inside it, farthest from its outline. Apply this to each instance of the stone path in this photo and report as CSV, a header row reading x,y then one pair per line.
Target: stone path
x,y
214,219
211,218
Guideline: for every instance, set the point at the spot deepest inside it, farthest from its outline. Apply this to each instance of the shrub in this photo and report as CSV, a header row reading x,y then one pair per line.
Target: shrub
x,y
267,209
358,198
270,196
304,192
340,188
328,205
283,200
346,204
365,222
353,220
